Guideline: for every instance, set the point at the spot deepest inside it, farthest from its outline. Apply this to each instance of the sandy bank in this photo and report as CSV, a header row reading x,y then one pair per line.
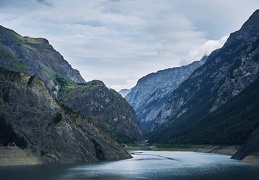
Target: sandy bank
x,y
12,156
251,159
227,150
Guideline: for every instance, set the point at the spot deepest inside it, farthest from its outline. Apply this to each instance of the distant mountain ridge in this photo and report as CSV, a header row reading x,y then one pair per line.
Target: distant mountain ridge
x,y
216,104
151,91
191,113
124,92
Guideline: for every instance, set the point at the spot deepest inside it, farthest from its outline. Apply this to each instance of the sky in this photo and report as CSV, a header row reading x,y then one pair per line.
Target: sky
x,y
120,41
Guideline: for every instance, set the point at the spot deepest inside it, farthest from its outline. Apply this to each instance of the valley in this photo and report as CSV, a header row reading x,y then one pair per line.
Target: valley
x,y
50,115
216,104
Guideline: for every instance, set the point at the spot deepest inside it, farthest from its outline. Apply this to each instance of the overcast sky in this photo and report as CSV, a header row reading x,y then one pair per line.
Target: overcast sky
x,y
119,41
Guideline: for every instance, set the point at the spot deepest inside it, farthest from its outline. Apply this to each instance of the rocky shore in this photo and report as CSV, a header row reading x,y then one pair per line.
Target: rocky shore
x,y
13,155
227,150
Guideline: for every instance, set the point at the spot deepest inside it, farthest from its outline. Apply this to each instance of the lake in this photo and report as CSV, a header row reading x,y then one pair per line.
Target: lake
x,y
143,165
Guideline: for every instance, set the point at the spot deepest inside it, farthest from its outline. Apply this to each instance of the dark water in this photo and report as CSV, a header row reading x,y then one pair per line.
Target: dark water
x,y
144,165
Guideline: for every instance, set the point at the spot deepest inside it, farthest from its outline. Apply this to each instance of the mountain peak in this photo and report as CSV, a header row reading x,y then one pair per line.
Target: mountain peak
x,y
249,31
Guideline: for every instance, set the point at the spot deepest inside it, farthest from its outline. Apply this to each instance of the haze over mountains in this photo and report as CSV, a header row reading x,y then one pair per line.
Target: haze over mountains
x,y
216,103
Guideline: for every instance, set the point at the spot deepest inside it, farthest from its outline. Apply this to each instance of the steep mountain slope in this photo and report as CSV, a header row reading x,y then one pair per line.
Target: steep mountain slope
x,y
251,146
106,108
226,73
151,91
34,56
231,123
53,133
37,57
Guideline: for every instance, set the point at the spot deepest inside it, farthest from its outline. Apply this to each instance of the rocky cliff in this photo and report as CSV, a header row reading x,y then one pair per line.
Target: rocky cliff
x,y
51,131
151,91
251,146
209,99
36,57
106,108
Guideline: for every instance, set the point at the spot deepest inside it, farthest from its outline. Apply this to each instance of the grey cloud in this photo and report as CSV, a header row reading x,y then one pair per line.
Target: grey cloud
x,y
114,0
119,41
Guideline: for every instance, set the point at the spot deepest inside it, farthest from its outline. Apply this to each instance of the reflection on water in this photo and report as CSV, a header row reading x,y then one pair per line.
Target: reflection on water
x,y
143,165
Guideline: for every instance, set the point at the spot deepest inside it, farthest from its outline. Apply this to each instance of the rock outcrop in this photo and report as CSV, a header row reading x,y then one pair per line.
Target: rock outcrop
x,y
249,147
106,108
52,132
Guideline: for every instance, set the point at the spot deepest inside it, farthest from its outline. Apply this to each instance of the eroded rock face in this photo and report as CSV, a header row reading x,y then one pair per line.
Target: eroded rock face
x,y
53,133
106,108
151,91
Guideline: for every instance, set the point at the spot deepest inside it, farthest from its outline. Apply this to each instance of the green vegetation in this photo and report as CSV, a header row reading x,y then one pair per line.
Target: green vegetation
x,y
122,138
32,40
66,108
137,146
65,84
6,55
176,147
20,66
231,124
8,135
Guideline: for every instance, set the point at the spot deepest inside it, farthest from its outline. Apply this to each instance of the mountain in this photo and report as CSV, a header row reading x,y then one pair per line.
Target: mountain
x,y
151,91
124,92
50,131
36,57
216,104
106,108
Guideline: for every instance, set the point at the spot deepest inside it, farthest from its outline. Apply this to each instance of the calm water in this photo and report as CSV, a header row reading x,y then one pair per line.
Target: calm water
x,y
143,165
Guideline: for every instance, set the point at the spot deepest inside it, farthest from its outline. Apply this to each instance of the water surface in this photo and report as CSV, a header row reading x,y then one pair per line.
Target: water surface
x,y
144,165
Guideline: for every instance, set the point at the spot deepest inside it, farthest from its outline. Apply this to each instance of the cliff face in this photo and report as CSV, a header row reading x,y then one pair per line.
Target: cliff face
x,y
151,91
36,57
249,147
52,132
106,108
209,91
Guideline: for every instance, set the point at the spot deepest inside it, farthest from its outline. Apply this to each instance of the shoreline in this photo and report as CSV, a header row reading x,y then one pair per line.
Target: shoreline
x,y
218,149
15,156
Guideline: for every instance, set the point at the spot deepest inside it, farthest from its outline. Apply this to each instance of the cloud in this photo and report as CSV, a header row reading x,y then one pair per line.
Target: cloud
x,y
119,41
205,49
